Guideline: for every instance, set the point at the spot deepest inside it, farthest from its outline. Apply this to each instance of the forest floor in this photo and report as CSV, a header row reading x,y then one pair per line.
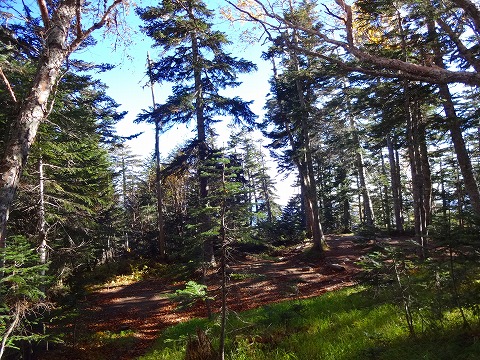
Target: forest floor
x,y
122,322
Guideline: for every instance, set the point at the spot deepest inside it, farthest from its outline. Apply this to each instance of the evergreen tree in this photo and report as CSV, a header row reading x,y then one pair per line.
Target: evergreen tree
x,y
21,295
261,187
63,31
292,110
67,190
198,65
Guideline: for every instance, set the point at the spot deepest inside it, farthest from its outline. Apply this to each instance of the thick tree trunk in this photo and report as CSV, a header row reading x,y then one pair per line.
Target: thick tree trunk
x,y
463,157
33,111
307,204
35,106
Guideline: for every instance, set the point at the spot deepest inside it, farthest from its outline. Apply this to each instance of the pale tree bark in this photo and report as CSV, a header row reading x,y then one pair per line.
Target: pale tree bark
x,y
35,107
42,223
271,18
19,312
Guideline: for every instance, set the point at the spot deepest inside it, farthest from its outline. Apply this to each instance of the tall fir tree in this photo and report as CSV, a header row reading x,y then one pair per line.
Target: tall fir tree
x,y
196,62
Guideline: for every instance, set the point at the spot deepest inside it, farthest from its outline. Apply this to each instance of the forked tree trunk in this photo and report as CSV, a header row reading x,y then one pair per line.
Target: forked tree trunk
x,y
309,174
304,165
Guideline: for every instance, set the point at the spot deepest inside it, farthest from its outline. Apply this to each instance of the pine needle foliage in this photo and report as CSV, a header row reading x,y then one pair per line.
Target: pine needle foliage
x,y
22,284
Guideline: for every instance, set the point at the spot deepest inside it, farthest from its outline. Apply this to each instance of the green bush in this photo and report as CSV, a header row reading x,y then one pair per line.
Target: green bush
x,y
22,295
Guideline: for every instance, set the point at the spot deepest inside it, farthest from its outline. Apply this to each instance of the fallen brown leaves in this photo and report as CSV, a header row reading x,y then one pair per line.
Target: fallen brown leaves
x,y
122,322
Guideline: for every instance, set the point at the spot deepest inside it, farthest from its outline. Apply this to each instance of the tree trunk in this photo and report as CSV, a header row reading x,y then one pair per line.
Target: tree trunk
x,y
223,267
368,216
344,199
33,111
307,180
208,251
414,132
386,198
158,182
311,185
396,186
42,231
35,106
265,191
463,158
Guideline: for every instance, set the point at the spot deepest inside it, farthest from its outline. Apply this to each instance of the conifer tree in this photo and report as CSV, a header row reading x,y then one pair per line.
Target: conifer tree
x,y
44,43
292,110
260,185
69,178
196,62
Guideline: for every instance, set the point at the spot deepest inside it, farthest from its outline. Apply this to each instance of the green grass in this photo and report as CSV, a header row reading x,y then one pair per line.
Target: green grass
x,y
246,276
349,324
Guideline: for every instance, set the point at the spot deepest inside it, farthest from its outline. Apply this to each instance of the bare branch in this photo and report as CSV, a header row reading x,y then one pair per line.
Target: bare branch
x,y
78,20
96,26
16,320
389,66
253,18
471,10
330,12
462,49
44,12
7,84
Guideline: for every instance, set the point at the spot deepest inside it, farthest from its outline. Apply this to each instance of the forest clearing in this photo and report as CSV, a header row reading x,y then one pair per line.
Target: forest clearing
x,y
125,316
143,308
203,250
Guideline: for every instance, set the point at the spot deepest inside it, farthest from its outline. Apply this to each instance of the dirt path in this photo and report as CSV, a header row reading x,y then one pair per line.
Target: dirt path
x,y
124,321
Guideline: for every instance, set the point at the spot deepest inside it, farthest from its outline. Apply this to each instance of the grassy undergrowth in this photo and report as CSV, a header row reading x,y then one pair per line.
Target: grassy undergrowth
x,y
348,324
126,271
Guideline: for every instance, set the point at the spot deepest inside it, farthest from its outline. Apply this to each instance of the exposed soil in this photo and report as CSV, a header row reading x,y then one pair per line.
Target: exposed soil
x,y
141,310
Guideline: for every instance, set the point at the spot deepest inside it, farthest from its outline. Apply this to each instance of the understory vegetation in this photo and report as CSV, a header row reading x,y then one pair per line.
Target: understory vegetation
x,y
354,323
372,110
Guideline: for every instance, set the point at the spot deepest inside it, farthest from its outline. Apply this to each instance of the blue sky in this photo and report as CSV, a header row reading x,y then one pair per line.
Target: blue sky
x,y
128,86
